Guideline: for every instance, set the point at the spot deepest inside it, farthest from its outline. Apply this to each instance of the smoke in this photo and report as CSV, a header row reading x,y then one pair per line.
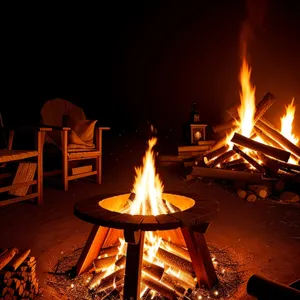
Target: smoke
x,y
254,21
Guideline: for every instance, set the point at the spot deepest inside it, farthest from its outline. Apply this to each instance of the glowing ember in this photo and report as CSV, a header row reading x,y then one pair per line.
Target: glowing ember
x,y
287,123
247,109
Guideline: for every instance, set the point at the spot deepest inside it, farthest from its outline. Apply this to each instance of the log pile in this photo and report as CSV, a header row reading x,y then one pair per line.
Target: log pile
x,y
165,281
17,275
266,164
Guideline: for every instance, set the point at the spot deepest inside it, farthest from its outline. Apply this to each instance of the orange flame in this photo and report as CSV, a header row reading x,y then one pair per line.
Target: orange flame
x,y
247,95
287,123
148,187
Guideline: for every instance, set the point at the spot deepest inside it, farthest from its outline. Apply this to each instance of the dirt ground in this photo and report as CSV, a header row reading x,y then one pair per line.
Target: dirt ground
x,y
264,236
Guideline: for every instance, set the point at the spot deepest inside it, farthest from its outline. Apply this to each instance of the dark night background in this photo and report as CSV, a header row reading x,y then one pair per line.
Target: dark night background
x,y
127,62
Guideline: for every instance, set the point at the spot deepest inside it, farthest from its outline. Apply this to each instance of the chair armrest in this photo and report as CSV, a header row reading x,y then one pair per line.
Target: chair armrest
x,y
29,128
55,127
103,128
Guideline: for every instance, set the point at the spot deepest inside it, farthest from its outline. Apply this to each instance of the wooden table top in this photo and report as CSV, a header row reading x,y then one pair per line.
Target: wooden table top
x,y
201,213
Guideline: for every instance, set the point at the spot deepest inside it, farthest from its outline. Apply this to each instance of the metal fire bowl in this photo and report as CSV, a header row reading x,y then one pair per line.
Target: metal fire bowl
x,y
104,211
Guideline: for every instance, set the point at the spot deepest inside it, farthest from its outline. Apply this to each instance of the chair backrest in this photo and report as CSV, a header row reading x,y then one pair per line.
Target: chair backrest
x,y
53,114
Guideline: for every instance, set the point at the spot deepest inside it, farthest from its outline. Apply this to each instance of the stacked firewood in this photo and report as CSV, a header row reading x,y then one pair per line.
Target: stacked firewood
x,y
155,278
261,168
17,275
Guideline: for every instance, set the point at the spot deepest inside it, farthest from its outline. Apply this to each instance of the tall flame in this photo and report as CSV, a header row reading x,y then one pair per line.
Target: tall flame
x,y
287,123
247,95
148,187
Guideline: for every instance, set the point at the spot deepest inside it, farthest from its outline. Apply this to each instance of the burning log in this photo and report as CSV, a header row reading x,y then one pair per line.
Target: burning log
x,y
174,261
253,145
96,280
109,251
152,270
240,167
274,134
255,164
115,293
227,175
221,158
169,246
170,207
121,262
104,262
231,163
176,284
224,126
212,154
108,281
159,287
223,141
263,106
287,166
270,164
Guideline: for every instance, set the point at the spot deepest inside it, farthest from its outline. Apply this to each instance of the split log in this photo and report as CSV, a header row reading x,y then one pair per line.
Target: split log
x,y
212,154
271,165
121,262
178,285
267,123
109,251
128,203
174,261
288,166
265,149
228,175
240,167
109,280
263,288
262,191
104,262
228,164
17,260
159,287
115,293
224,126
223,141
175,249
96,280
289,197
255,164
279,138
221,158
242,194
251,197
7,256
152,270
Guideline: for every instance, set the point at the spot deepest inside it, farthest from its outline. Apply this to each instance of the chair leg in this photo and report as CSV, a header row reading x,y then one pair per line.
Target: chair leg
x,y
40,140
65,159
99,159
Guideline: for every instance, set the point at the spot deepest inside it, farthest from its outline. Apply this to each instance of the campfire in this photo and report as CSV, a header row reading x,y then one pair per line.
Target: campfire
x,y
148,242
253,153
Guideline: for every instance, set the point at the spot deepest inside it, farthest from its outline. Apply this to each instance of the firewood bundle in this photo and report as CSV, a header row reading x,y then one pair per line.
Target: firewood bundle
x,y
155,278
17,275
261,163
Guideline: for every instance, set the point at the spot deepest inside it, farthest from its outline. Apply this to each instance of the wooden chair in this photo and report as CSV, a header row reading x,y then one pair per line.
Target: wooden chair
x,y
54,114
20,188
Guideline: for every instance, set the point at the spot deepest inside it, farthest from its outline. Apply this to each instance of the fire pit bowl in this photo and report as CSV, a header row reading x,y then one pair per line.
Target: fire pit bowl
x,y
190,221
104,211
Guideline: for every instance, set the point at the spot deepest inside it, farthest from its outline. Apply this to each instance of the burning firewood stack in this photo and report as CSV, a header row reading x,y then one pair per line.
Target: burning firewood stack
x,y
163,278
17,275
260,160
